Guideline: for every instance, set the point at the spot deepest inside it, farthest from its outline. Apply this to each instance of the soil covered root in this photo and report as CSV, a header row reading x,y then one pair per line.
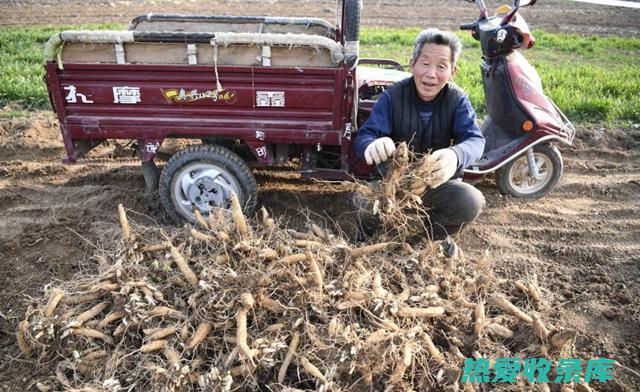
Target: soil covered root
x,y
212,308
397,199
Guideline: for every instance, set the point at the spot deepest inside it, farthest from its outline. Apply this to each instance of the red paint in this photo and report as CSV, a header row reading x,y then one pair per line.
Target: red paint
x,y
318,105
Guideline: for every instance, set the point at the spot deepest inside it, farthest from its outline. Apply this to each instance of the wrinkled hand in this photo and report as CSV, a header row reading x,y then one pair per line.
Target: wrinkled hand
x,y
379,151
444,164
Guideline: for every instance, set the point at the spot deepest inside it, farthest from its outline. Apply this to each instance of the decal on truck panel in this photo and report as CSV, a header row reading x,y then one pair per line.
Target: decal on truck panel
x,y
270,98
260,135
151,147
73,96
126,94
261,152
180,95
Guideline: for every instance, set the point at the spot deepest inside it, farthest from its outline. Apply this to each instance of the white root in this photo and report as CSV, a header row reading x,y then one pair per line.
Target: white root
x,y
312,370
503,303
293,346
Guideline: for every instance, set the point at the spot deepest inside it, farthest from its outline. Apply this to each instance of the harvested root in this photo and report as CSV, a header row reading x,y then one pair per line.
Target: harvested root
x,y
124,224
81,298
153,346
307,244
183,266
202,236
480,318
164,311
200,218
534,291
241,334
320,233
401,365
432,349
154,248
198,337
376,287
316,274
267,222
21,338
92,333
499,330
56,296
291,352
369,249
503,303
312,370
434,311
88,315
271,304
94,356
539,329
111,317
172,357
107,285
238,216
292,259
268,254
160,333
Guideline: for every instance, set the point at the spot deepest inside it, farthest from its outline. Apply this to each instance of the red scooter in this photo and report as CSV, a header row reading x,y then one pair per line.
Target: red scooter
x,y
522,123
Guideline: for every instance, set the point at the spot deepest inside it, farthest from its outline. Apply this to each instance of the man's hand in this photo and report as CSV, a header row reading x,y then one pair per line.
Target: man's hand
x,y
379,150
444,164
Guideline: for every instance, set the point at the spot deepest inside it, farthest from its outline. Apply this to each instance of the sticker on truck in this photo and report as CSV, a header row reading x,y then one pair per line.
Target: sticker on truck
x,y
73,95
182,95
270,98
126,95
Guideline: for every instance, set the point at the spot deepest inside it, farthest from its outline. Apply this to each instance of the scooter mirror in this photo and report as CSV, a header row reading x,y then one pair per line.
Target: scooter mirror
x,y
526,3
481,7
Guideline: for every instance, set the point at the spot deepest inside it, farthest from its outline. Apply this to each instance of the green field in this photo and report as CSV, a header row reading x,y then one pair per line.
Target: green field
x,y
592,79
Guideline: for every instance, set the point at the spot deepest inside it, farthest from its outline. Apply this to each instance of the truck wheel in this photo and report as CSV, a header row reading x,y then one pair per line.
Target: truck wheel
x,y
203,177
515,179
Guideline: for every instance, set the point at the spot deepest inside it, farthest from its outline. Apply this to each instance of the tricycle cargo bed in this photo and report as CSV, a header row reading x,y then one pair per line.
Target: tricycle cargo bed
x,y
236,49
232,24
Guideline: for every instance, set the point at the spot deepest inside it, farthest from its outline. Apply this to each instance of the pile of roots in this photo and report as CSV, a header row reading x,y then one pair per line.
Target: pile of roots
x,y
236,305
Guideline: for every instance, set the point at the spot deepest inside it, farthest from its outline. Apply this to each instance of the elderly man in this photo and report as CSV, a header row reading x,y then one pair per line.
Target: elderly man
x,y
430,113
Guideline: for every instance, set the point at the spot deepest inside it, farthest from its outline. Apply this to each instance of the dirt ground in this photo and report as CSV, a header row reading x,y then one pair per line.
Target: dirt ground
x,y
582,241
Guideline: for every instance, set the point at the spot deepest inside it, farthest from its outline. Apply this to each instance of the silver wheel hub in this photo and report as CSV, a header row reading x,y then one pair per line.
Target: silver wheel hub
x,y
521,178
203,186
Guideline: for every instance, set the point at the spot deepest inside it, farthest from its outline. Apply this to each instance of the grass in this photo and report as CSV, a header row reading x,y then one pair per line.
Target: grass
x,y
592,79
22,63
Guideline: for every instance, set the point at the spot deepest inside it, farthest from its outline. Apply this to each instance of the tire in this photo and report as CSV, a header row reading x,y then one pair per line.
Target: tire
x,y
515,179
203,176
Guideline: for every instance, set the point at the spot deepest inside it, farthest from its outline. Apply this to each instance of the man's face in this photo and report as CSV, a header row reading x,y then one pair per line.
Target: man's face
x,y
432,70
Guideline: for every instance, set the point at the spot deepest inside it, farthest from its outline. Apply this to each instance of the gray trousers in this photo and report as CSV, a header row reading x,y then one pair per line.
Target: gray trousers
x,y
450,206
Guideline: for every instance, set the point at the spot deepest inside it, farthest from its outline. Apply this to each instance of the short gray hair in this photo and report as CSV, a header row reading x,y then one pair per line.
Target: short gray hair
x,y
437,36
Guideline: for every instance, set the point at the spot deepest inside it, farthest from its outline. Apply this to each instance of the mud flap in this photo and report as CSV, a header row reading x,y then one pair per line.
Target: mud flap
x,y
151,175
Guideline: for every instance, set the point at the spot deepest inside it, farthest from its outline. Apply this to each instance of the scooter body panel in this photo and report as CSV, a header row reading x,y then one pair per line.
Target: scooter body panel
x,y
514,96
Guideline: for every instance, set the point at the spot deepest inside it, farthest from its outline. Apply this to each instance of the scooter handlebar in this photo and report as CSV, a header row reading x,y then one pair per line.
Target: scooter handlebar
x,y
468,26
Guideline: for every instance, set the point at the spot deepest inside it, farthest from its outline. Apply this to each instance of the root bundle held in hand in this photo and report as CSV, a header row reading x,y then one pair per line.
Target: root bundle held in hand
x,y
397,199
236,304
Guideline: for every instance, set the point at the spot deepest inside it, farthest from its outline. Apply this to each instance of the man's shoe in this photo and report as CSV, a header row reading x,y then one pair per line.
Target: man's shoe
x,y
449,248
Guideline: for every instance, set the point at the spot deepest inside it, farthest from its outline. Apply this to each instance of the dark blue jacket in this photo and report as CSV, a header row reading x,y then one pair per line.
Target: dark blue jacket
x,y
468,142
